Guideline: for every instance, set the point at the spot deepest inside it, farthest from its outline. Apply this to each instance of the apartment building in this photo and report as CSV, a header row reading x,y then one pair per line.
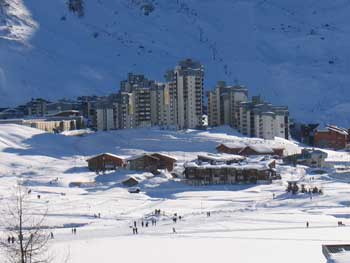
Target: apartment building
x,y
263,120
141,102
223,104
105,118
36,107
188,80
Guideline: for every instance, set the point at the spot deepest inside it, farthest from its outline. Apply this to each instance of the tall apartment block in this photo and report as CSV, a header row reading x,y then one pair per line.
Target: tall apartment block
x,y
187,79
223,104
177,103
261,119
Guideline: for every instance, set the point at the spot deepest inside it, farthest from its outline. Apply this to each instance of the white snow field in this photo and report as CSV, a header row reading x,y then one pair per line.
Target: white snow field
x,y
246,223
293,52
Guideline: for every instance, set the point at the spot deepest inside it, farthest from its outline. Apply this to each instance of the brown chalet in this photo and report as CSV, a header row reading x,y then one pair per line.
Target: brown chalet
x,y
165,161
151,162
248,150
105,161
333,138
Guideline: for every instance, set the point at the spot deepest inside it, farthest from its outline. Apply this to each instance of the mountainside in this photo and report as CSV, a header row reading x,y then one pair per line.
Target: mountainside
x,y
293,52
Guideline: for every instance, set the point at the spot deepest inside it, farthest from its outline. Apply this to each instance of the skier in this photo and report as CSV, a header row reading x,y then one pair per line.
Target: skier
x,y
142,224
51,235
174,231
13,240
307,224
9,240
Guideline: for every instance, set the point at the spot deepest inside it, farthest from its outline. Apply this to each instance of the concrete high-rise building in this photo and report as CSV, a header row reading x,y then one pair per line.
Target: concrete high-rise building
x,y
188,79
105,118
223,104
124,111
261,119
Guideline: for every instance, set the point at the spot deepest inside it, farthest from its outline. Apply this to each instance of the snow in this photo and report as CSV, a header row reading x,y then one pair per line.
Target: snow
x,y
292,52
246,224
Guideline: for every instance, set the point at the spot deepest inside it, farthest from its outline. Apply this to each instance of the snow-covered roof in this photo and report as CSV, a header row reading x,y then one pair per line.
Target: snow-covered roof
x,y
337,129
238,166
165,155
140,156
110,154
221,157
260,148
234,145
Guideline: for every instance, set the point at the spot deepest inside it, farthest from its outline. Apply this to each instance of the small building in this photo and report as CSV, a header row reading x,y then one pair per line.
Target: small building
x,y
105,161
339,253
333,138
130,182
144,162
250,149
165,161
309,157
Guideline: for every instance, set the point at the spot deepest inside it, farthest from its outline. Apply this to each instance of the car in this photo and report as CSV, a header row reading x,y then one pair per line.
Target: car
x,y
134,190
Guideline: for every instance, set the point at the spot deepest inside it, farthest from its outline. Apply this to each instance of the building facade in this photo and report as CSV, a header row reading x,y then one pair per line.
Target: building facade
x,y
263,120
178,103
188,80
334,138
223,104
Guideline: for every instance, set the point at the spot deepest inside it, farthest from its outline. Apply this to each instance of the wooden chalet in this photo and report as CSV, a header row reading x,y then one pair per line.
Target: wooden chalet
x,y
105,161
165,161
144,162
334,138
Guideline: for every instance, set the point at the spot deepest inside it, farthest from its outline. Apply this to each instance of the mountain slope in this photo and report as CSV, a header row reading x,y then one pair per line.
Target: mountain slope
x,y
292,52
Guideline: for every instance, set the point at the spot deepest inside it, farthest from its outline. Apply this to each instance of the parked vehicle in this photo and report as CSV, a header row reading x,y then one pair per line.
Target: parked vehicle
x,y
134,190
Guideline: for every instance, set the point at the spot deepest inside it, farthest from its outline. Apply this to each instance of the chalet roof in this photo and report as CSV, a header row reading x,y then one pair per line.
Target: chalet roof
x,y
235,145
109,154
165,155
132,158
221,157
337,129
259,148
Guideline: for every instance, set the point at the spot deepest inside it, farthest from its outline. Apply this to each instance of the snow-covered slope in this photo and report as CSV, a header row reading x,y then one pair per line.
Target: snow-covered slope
x,y
293,52
244,218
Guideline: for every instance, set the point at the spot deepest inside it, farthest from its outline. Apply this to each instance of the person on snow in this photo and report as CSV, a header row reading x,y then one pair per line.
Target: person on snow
x,y
174,231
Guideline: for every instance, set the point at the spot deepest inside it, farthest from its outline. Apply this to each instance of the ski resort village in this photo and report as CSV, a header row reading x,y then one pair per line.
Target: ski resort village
x,y
162,172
